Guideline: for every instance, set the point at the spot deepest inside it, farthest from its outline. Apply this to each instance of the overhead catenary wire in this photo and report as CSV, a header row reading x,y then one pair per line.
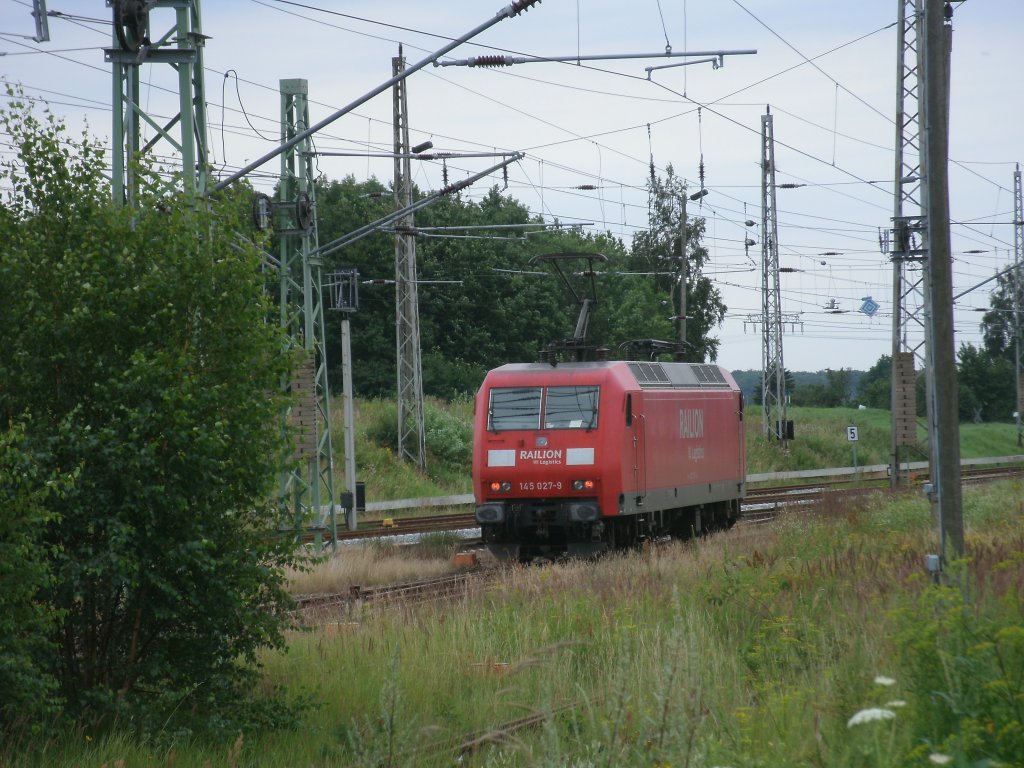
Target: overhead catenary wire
x,y
626,187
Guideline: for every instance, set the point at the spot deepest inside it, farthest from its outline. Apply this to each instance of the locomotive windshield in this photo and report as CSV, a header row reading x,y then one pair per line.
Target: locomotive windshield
x,y
571,408
563,408
514,408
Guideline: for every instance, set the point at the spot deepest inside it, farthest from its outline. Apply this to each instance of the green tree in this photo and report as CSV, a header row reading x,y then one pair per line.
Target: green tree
x,y
997,324
985,385
658,249
791,386
834,392
27,620
136,342
874,389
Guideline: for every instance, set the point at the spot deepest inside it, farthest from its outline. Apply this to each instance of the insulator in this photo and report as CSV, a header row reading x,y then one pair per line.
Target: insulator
x,y
652,172
790,185
586,187
444,174
700,173
504,175
522,5
489,61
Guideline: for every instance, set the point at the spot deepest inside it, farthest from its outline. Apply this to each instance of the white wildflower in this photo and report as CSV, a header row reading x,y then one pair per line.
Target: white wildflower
x,y
870,715
939,759
883,680
895,704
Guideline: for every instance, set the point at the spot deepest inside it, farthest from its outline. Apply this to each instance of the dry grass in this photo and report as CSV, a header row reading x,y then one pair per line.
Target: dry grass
x,y
365,565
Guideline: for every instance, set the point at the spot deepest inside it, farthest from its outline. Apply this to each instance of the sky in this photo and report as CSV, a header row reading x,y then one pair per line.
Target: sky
x,y
825,69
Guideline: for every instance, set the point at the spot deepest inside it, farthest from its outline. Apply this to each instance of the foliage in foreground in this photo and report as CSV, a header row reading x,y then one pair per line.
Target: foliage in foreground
x,y
137,358
26,626
817,642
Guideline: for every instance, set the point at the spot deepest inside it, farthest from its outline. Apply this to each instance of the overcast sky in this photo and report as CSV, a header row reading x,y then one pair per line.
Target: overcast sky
x,y
602,123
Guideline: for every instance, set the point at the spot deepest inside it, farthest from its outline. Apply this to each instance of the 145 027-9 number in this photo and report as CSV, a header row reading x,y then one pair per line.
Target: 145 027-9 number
x,y
546,485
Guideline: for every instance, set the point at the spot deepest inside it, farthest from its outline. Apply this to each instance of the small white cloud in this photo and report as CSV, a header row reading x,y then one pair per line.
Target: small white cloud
x,y
870,715
883,680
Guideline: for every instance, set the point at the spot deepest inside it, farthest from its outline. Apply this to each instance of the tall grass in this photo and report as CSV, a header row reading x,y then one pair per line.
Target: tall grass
x,y
377,562
756,647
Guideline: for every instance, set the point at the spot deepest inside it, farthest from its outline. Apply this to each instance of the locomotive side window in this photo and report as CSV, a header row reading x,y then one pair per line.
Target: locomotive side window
x,y
571,407
514,408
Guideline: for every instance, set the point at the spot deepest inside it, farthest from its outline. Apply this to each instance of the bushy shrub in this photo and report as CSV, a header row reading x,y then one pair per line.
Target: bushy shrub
x,y
449,438
136,341
27,620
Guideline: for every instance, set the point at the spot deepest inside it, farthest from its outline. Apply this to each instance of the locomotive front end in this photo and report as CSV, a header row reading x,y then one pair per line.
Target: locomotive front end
x,y
536,462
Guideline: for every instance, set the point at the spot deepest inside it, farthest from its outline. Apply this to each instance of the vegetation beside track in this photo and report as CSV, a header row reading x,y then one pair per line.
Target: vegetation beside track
x,y
819,641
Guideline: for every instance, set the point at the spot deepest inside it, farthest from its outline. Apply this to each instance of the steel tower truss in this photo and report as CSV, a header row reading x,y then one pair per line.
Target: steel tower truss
x,y
773,376
908,246
411,428
180,46
1018,328
308,489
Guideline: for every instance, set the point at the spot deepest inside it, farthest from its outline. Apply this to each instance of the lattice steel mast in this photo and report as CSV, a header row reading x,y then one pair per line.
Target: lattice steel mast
x,y
308,489
1018,328
908,248
185,134
773,374
411,430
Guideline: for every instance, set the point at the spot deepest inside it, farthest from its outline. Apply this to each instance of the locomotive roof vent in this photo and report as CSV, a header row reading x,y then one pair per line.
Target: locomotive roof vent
x,y
678,375
650,374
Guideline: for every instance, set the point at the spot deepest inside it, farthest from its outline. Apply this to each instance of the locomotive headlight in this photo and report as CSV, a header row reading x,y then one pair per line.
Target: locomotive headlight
x,y
583,485
501,486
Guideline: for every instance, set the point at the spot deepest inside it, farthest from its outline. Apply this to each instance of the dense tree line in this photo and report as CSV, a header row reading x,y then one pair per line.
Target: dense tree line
x,y
502,310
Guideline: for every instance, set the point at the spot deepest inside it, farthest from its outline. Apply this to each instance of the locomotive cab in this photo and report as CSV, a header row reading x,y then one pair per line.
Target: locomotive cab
x,y
538,479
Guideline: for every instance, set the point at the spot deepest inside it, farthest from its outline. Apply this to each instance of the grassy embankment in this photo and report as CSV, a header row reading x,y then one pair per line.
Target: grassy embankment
x,y
819,641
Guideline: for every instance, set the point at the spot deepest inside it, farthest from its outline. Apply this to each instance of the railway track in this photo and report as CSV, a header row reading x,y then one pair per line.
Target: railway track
x,y
754,506
761,507
315,608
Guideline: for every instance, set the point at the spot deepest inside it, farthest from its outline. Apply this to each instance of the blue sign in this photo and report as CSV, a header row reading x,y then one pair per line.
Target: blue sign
x,y
869,307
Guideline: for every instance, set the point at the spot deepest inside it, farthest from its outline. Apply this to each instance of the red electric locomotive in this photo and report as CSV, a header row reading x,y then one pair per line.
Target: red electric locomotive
x,y
580,457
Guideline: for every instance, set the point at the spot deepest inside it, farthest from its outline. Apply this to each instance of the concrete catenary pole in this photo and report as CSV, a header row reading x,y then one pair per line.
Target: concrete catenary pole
x,y
944,426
